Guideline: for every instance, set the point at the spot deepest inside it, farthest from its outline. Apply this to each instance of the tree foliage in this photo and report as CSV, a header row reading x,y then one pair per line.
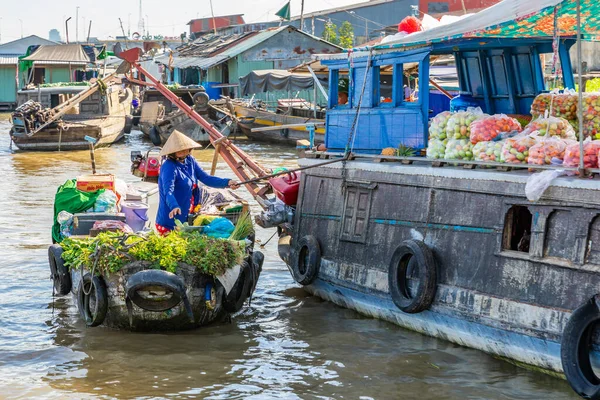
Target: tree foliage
x,y
346,35
330,33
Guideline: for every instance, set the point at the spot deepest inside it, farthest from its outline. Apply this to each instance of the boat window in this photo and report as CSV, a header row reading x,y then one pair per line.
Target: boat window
x,y
339,89
471,74
383,85
524,74
517,229
499,80
357,208
552,79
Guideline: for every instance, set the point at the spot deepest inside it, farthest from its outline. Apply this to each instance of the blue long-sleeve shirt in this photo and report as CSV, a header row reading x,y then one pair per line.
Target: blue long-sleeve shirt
x,y
175,183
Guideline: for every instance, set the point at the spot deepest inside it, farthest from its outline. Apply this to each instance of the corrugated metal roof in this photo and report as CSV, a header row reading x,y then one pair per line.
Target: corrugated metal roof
x,y
210,50
9,59
193,62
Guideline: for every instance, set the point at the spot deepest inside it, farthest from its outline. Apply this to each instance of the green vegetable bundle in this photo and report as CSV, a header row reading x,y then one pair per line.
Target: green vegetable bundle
x,y
113,250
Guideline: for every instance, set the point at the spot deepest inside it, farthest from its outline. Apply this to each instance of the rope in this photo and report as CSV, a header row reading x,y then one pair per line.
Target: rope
x,y
352,135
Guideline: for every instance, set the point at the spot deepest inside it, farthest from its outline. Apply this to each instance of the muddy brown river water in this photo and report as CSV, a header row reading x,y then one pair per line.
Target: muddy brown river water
x,y
287,345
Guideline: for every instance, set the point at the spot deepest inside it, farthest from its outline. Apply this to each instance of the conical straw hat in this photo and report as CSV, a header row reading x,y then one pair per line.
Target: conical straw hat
x,y
178,142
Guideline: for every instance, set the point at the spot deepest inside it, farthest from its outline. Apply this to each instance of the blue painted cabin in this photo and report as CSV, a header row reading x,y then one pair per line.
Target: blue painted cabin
x,y
498,75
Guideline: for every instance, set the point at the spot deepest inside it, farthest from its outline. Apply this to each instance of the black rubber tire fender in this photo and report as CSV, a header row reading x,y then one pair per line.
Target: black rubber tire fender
x,y
155,277
575,348
234,301
60,275
128,124
398,284
201,99
155,136
94,317
307,261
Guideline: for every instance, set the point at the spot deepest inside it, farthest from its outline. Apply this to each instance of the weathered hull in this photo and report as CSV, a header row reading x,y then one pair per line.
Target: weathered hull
x,y
508,303
206,297
251,118
105,131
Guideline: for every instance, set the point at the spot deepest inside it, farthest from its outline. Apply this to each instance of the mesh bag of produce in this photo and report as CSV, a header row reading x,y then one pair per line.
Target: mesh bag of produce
x,y
516,150
488,128
590,154
552,126
436,148
591,115
459,149
548,150
564,105
488,151
437,128
459,124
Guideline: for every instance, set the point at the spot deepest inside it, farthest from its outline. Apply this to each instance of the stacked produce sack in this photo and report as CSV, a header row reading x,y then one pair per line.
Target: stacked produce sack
x,y
590,154
591,115
562,105
516,149
459,146
552,126
548,150
487,136
438,137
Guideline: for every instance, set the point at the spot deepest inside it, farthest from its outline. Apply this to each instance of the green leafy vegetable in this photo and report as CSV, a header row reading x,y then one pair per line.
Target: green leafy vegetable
x,y
113,251
243,228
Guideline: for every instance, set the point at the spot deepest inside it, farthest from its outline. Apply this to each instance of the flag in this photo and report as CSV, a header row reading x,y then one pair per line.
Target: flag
x,y
102,55
284,13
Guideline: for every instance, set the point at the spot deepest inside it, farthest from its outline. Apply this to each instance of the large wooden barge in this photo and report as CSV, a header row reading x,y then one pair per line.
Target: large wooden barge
x,y
459,254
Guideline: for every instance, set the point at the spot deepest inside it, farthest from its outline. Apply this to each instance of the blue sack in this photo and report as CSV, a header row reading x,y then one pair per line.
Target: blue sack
x,y
219,228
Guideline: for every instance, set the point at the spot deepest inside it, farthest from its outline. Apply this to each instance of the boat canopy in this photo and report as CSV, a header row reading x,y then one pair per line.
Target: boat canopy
x,y
73,53
275,80
513,19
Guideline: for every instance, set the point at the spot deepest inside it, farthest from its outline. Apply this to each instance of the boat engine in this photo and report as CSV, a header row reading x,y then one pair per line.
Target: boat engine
x,y
30,115
276,213
146,167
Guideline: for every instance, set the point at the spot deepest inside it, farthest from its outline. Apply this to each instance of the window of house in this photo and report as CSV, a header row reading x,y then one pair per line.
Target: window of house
x,y
517,229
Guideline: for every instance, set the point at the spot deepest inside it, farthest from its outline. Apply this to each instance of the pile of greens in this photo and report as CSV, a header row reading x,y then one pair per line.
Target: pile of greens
x,y
64,84
113,250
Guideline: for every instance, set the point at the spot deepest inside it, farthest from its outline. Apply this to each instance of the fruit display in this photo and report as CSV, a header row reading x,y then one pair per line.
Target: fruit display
x,y
437,128
563,105
547,151
591,115
516,150
488,128
459,149
488,151
436,148
590,154
459,124
552,126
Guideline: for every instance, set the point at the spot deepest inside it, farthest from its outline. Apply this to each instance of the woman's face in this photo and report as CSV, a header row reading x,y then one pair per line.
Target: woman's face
x,y
182,154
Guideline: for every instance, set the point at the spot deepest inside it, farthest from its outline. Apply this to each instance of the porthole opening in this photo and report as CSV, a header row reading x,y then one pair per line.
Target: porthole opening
x,y
517,229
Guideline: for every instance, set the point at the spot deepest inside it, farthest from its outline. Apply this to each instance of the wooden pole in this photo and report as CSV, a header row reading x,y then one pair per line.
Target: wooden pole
x,y
302,15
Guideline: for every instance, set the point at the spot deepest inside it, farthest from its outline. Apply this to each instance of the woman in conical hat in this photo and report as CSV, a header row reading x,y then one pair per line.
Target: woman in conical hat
x,y
178,179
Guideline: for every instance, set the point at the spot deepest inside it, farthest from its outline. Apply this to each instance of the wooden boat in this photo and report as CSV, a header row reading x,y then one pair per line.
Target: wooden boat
x,y
158,119
142,298
455,253
250,117
102,116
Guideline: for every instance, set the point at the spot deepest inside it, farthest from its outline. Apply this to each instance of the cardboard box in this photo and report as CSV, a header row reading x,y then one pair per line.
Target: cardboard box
x,y
91,183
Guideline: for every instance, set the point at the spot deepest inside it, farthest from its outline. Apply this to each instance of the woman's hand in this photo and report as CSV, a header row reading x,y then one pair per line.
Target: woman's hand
x,y
233,184
174,212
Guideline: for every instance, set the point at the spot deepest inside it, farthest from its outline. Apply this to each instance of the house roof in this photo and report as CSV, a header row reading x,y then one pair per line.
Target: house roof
x,y
9,59
217,16
210,50
74,53
20,46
